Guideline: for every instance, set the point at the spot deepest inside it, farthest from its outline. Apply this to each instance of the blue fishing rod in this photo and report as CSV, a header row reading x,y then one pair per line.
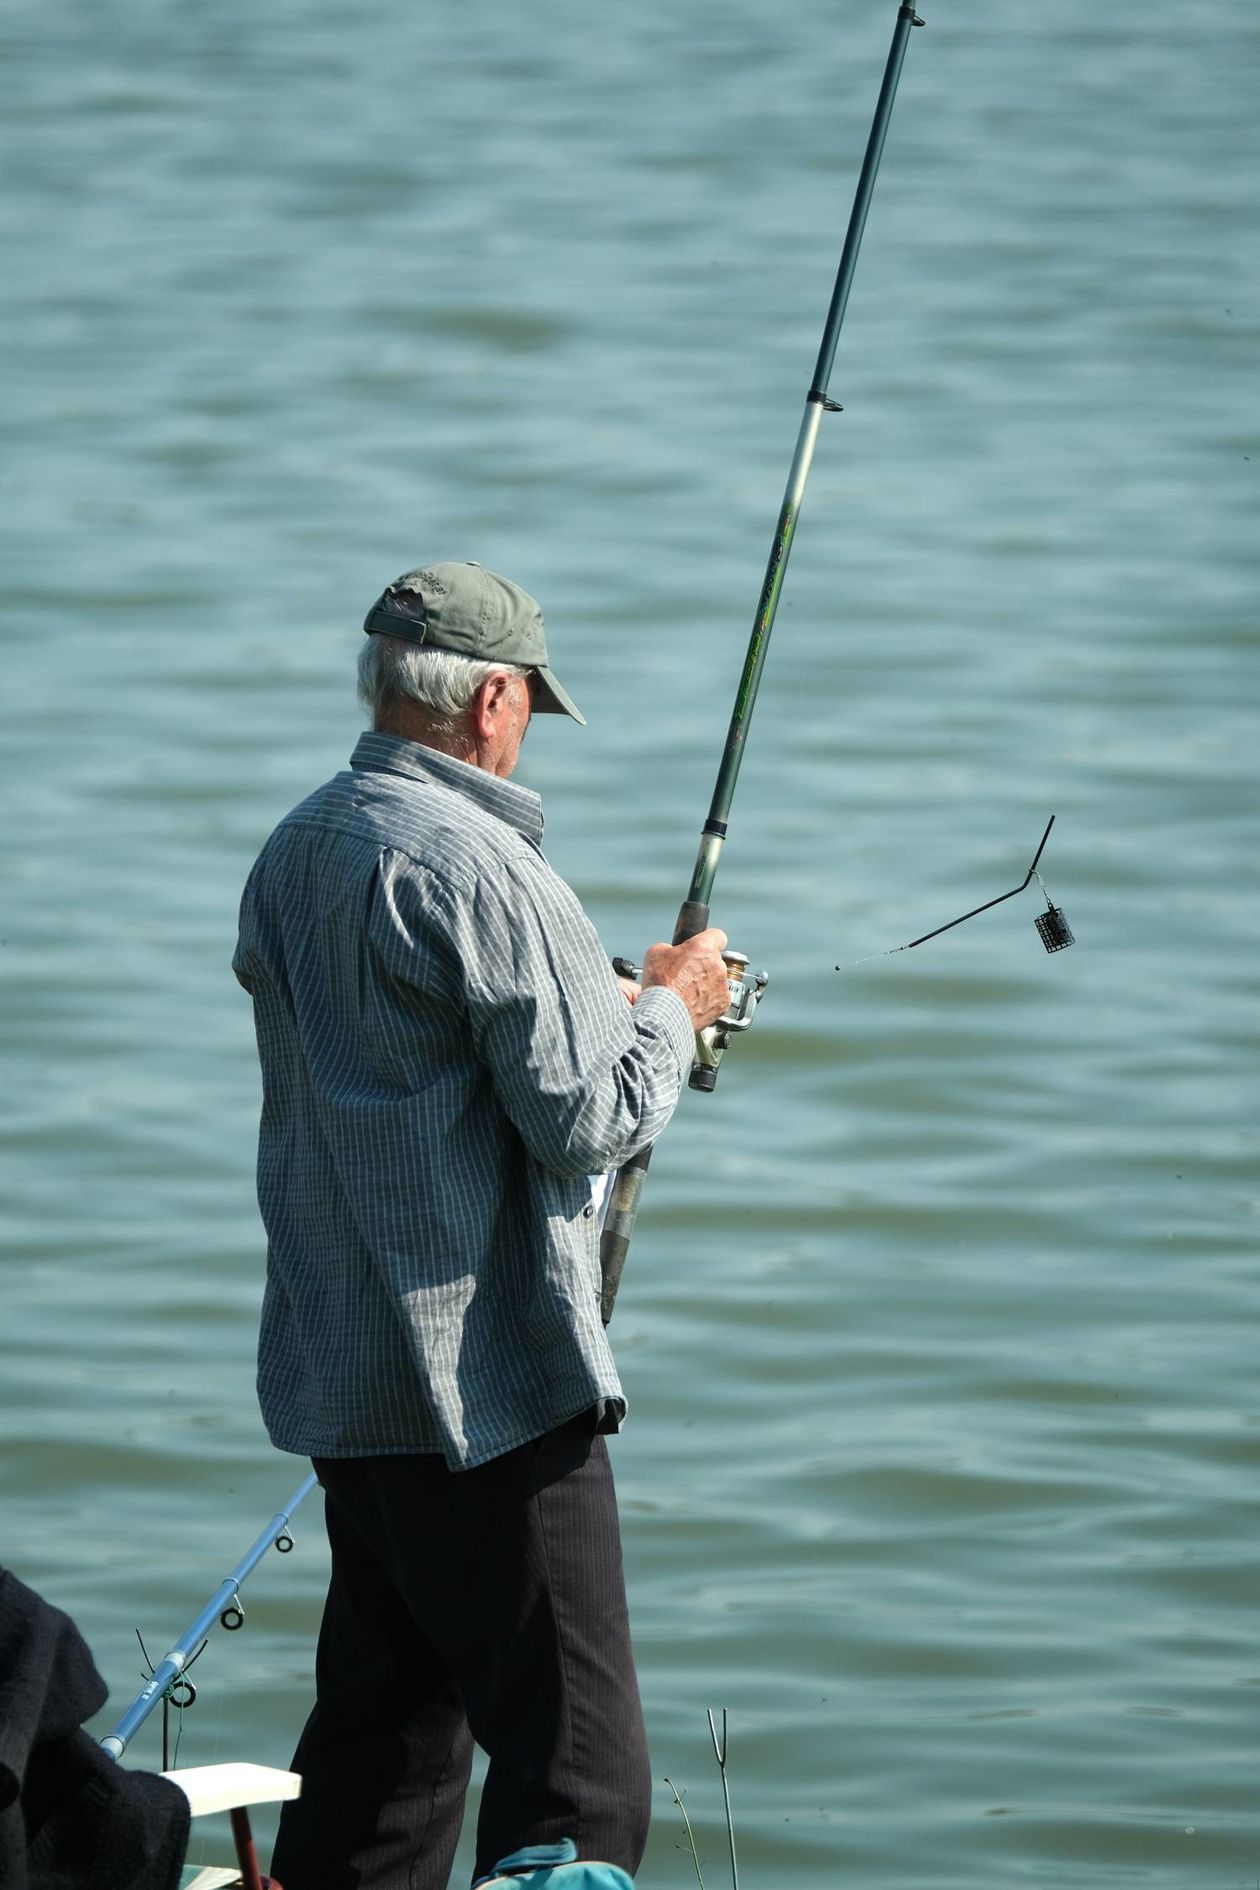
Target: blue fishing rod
x,y
169,1680
693,916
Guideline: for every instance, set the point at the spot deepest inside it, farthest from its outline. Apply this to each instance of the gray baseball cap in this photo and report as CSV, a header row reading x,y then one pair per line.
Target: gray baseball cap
x,y
464,608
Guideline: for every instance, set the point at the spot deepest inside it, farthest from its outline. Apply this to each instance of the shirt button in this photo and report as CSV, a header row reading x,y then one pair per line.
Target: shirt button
x,y
588,1210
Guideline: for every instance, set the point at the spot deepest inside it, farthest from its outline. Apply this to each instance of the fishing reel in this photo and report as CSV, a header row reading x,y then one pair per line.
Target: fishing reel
x,y
747,989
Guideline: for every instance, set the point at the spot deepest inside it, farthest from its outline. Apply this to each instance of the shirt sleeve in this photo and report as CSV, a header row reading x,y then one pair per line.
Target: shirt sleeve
x,y
587,1079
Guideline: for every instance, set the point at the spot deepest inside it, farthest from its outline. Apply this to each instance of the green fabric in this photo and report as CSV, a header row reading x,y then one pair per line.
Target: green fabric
x,y
472,612
556,1867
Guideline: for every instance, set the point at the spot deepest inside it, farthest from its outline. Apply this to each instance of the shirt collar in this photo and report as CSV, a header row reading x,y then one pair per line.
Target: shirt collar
x,y
520,807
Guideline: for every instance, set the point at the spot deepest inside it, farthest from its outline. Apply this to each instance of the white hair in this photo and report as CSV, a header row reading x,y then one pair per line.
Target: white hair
x,y
441,681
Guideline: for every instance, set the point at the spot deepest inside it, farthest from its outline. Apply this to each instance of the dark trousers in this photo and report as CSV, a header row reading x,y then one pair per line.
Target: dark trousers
x,y
482,1605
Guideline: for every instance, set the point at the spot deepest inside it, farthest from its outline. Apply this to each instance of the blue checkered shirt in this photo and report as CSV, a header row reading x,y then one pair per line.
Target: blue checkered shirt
x,y
446,1059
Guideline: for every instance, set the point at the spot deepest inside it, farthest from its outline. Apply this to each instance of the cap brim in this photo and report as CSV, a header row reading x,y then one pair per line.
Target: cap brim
x,y
551,699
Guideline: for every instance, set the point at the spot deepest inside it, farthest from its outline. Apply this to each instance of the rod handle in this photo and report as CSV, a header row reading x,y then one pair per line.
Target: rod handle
x,y
614,1242
693,918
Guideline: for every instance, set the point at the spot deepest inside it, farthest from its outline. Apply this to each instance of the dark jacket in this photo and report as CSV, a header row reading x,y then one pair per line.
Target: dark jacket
x,y
70,1817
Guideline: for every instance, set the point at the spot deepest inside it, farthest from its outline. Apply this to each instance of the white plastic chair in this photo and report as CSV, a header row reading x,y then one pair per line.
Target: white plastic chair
x,y
233,1788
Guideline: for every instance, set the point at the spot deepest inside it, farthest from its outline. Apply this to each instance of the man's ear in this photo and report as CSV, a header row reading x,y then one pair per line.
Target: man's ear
x,y
488,704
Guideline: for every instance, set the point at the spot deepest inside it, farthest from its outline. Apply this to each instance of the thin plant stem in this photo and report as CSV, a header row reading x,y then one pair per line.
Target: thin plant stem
x,y
719,1753
691,1836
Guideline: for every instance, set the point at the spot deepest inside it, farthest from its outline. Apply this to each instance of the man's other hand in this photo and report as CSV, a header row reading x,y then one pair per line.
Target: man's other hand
x,y
695,970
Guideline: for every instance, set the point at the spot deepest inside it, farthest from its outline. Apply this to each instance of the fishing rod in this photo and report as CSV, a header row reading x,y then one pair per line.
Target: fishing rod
x,y
693,916
168,1681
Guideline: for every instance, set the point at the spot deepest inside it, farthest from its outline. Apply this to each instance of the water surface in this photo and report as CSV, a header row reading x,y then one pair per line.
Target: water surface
x,y
939,1326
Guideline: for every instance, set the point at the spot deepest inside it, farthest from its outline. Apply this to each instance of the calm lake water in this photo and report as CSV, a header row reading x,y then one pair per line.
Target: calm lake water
x,y
939,1330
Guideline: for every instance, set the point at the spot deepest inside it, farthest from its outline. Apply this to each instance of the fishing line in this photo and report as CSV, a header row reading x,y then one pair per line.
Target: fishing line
x,y
1052,928
180,1694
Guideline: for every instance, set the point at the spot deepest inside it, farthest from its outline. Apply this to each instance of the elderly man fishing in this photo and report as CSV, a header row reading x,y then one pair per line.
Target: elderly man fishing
x,y
447,1062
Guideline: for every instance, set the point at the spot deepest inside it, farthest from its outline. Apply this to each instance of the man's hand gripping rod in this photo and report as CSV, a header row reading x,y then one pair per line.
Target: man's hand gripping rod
x,y
693,915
